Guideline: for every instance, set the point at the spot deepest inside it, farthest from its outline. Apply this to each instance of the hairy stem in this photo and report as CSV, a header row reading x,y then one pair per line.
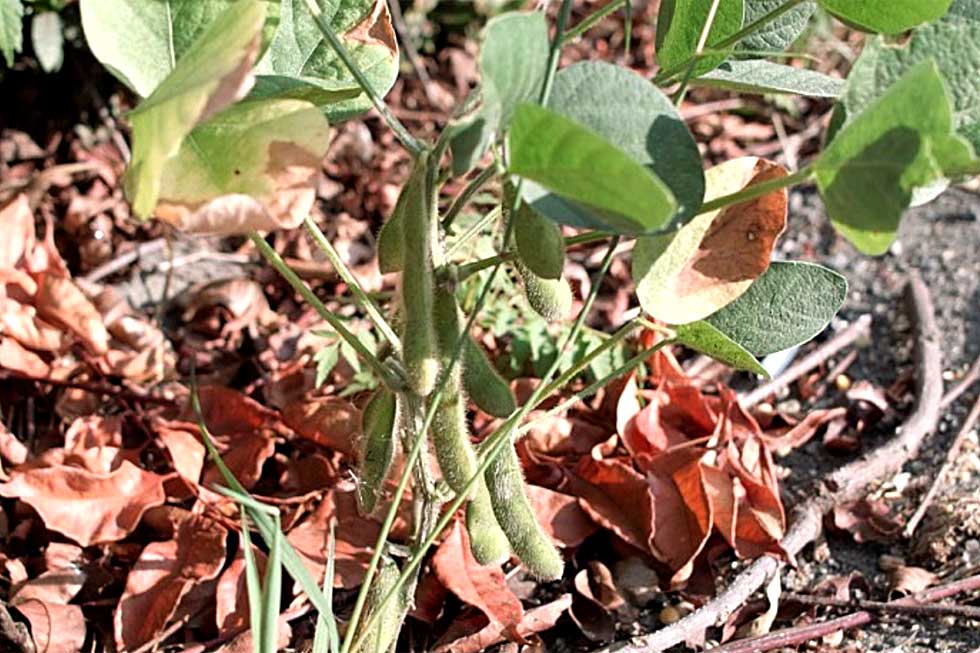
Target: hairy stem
x,y
593,19
401,132
355,287
467,194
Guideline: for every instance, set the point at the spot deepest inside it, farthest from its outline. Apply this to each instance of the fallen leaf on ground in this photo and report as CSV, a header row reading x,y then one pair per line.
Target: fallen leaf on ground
x,y
56,628
329,421
476,633
560,516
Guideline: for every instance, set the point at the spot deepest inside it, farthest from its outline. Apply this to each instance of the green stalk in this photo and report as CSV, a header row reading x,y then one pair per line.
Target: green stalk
x,y
664,75
758,190
355,287
272,256
594,18
702,41
467,194
410,142
472,232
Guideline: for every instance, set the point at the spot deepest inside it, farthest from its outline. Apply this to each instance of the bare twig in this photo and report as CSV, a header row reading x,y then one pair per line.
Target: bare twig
x,y
802,634
848,483
815,358
95,388
954,450
971,377
886,607
118,263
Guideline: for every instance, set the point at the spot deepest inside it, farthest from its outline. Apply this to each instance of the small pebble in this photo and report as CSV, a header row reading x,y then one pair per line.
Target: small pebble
x,y
843,382
669,614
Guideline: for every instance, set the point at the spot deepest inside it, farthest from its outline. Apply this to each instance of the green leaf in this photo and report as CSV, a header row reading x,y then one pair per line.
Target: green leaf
x,y
210,75
702,337
141,41
953,41
513,63
300,64
326,359
891,17
761,76
904,140
255,165
48,40
779,34
11,35
574,162
679,27
632,114
788,305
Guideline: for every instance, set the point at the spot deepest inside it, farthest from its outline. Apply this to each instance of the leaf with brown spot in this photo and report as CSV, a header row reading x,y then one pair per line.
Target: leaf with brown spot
x,y
85,506
164,573
482,587
713,259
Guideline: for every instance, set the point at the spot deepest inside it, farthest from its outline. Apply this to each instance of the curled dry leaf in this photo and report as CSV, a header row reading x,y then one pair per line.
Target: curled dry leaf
x,y
616,496
55,628
226,411
713,259
187,452
482,587
11,449
474,633
60,301
231,595
88,507
906,580
163,575
867,520
331,422
560,516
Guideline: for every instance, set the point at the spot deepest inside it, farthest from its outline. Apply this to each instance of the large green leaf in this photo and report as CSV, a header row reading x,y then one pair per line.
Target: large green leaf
x,y
679,27
636,117
513,61
886,16
779,34
11,34
788,305
902,141
761,76
953,42
572,161
253,166
703,337
211,74
141,41
300,64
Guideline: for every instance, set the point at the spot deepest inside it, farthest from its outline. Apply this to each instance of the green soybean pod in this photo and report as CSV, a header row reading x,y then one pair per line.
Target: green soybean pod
x,y
540,244
377,448
483,382
391,243
386,628
530,544
451,441
419,350
550,298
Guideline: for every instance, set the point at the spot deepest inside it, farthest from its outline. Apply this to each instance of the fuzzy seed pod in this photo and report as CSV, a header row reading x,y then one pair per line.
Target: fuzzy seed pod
x,y
483,382
391,242
377,447
530,544
540,245
451,441
385,630
550,298
419,349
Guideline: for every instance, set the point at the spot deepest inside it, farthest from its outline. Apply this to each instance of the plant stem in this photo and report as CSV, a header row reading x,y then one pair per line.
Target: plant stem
x,y
467,194
758,190
709,21
355,287
468,270
401,132
664,75
474,229
591,20
335,323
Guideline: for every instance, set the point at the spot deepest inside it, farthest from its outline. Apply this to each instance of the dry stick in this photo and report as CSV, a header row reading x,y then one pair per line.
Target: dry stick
x,y
963,385
848,483
937,483
817,357
802,634
886,607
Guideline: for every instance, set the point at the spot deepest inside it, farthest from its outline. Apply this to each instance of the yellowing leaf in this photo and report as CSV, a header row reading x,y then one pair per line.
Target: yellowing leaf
x,y
253,166
212,74
713,259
